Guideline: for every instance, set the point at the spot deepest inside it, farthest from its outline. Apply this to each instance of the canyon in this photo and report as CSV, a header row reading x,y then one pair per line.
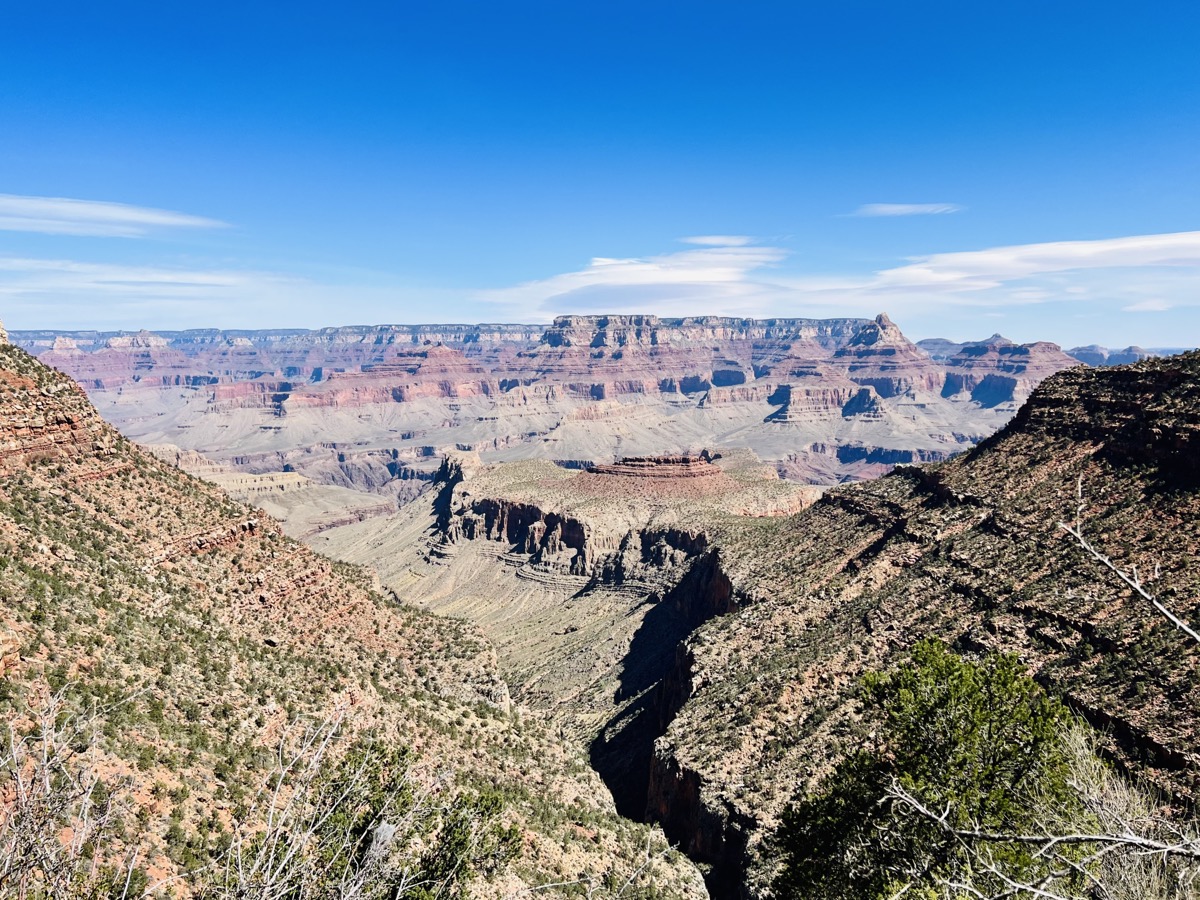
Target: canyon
x,y
513,392
201,639
631,540
373,410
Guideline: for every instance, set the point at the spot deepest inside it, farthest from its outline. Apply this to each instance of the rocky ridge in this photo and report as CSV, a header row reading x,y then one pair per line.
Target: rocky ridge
x,y
970,551
303,507
575,576
943,350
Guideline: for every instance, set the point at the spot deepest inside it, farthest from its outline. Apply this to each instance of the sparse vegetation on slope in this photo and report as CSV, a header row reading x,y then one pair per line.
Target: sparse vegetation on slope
x,y
796,609
202,634
969,551
980,743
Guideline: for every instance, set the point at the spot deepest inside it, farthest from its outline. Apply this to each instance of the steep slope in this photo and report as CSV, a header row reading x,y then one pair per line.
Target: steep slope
x,y
304,507
575,577
762,700
997,371
203,633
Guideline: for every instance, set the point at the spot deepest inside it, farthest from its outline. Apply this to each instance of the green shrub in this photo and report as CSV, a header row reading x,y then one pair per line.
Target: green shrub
x,y
977,743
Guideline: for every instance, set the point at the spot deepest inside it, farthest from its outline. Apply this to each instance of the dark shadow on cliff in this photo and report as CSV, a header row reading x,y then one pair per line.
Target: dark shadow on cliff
x,y
449,474
653,676
621,754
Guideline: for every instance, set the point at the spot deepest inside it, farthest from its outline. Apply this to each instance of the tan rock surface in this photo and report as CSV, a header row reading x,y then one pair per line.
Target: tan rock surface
x,y
710,661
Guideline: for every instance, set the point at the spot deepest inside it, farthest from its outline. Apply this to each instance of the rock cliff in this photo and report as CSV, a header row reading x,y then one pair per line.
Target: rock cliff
x,y
710,660
970,551
998,371
586,387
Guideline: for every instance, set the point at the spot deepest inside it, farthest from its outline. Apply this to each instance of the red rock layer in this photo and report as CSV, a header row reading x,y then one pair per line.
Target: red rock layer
x,y
811,368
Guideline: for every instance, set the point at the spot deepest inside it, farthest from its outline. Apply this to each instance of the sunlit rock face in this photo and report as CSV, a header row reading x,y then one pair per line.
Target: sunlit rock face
x,y
583,390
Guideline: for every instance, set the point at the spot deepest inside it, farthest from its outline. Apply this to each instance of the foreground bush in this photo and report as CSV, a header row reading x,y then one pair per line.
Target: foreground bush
x,y
976,784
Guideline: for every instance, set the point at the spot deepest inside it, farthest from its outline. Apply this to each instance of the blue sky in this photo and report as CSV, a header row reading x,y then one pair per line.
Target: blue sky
x,y
1029,168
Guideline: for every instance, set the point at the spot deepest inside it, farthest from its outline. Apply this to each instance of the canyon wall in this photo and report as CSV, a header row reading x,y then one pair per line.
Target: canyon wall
x,y
585,389
198,644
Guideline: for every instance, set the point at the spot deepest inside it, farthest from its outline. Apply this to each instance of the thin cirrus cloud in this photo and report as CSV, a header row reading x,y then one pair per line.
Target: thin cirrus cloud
x,y
973,270
718,240
1155,277
69,293
91,218
72,294
1151,305
1149,272
886,210
715,275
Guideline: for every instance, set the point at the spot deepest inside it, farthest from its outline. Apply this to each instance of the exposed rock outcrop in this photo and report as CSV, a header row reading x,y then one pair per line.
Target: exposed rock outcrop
x,y
10,648
969,551
44,417
699,466
1000,371
881,357
739,642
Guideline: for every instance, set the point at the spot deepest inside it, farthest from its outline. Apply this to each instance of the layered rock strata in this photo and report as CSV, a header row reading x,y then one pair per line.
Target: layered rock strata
x,y
595,388
202,639
699,466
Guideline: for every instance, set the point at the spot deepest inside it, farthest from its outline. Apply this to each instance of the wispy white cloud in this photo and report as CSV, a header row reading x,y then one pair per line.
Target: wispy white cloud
x,y
877,210
68,293
91,218
973,270
1109,282
1140,273
27,277
705,278
1147,306
64,293
718,240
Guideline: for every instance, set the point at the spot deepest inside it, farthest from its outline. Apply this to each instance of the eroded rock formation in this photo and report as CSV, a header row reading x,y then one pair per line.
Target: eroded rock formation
x,y
592,388
201,638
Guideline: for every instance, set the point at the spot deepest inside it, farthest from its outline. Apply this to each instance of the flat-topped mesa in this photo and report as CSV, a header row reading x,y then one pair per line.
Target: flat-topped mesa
x,y
998,371
584,387
685,466
64,345
651,331
143,340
